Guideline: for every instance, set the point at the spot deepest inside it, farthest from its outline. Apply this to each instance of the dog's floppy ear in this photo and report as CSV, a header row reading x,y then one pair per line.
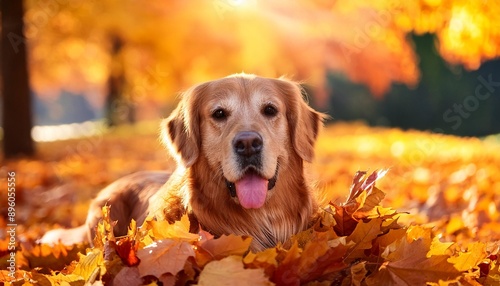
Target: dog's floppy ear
x,y
180,132
304,122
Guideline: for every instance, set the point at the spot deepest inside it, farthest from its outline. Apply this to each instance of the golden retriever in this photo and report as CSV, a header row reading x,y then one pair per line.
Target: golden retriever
x,y
240,143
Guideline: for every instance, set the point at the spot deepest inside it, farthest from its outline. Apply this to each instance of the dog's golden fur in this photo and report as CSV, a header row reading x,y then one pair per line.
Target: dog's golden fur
x,y
200,133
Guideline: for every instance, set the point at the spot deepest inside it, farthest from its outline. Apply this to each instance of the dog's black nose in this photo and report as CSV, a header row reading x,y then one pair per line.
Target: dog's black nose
x,y
247,143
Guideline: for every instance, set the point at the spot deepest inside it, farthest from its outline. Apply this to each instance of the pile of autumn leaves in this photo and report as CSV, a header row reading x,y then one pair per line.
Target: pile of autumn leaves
x,y
358,242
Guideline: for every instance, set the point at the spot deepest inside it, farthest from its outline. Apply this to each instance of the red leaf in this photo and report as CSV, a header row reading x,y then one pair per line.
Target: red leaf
x,y
126,250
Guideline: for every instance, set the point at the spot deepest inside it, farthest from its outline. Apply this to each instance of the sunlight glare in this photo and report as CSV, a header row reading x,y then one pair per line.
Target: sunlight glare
x,y
238,2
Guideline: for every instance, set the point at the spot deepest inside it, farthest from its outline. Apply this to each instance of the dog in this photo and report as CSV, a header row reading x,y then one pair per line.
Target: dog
x,y
240,144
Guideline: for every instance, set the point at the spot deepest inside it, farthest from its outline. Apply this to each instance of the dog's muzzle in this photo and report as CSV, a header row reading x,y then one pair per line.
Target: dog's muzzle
x,y
271,183
251,188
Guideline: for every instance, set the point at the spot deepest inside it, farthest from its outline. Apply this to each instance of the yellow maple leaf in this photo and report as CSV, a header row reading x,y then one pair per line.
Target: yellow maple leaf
x,y
90,265
265,260
418,232
177,230
439,248
464,261
104,231
267,256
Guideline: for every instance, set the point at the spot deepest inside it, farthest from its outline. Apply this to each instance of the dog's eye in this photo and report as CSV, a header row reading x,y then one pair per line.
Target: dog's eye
x,y
269,110
219,114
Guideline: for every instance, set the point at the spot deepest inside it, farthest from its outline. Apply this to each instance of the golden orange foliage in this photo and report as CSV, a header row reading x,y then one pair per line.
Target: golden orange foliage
x,y
441,227
168,47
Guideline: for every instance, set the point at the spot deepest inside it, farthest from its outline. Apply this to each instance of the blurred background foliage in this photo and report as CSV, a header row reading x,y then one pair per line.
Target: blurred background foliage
x,y
410,64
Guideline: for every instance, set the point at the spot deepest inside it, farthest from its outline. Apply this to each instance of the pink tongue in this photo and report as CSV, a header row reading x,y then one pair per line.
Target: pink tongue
x,y
251,190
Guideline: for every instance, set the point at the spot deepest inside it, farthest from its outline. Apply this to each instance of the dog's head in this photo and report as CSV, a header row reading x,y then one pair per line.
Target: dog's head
x,y
247,128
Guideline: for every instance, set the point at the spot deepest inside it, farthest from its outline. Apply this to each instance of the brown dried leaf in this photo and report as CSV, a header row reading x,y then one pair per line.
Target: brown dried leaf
x,y
345,223
164,256
362,183
128,276
226,245
357,182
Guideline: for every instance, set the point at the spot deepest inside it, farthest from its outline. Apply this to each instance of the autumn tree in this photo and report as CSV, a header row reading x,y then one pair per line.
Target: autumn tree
x,y
167,48
17,117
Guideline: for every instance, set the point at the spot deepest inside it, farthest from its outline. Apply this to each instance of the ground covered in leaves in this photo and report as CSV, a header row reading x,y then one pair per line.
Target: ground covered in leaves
x,y
432,218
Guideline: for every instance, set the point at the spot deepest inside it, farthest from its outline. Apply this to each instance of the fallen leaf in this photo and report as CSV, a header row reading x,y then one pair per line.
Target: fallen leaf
x,y
358,273
382,242
266,257
71,279
465,261
439,248
363,237
177,230
286,273
322,255
227,245
104,231
90,265
128,276
409,265
345,223
54,257
167,279
164,256
126,249
368,199
230,271
356,186
361,183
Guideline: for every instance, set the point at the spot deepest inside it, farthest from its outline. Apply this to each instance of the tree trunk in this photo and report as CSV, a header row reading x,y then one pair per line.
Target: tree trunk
x,y
118,108
17,117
